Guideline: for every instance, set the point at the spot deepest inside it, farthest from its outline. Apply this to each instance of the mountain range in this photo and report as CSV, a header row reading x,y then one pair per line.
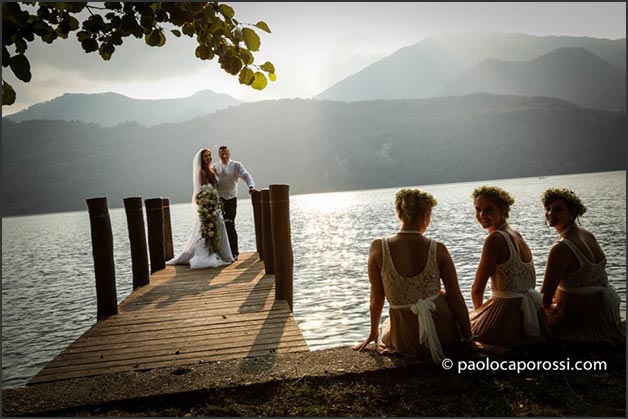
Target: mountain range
x,y
109,109
587,71
440,64
572,73
314,146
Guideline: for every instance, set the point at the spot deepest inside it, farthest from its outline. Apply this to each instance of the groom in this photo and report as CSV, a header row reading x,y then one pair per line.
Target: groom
x,y
228,172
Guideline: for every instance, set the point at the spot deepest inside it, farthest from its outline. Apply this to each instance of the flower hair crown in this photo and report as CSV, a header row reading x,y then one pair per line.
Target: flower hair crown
x,y
414,198
493,191
565,194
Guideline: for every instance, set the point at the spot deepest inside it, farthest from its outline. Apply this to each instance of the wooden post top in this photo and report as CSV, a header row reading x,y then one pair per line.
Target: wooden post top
x,y
134,202
153,204
97,206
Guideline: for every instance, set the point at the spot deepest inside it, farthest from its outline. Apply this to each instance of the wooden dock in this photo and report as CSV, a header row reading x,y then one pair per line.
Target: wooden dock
x,y
185,317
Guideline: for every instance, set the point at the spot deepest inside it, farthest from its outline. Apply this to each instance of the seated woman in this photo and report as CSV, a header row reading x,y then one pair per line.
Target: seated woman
x,y
407,269
513,315
580,303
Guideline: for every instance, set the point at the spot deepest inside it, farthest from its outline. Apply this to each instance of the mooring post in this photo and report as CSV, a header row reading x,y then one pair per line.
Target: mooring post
x,y
267,233
256,200
102,250
168,247
282,244
137,240
155,222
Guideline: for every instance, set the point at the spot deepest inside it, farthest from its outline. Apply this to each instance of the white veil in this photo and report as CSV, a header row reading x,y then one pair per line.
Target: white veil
x,y
188,251
195,253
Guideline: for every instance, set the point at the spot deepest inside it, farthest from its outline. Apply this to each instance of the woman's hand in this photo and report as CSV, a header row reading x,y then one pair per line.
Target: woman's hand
x,y
360,346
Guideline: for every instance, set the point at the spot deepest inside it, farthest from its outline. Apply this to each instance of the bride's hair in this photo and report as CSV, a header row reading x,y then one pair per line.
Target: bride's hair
x,y
413,203
209,173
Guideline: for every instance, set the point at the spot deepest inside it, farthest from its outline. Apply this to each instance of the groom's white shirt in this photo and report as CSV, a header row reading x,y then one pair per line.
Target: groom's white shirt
x,y
228,175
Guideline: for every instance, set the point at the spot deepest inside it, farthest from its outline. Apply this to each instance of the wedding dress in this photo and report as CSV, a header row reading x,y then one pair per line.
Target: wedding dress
x,y
195,253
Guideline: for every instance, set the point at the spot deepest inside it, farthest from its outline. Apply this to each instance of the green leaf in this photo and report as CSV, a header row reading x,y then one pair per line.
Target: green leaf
x,y
75,7
8,94
263,26
58,32
155,38
74,23
268,67
251,39
176,33
89,45
82,35
106,51
202,52
20,45
246,76
260,81
21,67
234,65
246,56
188,29
272,76
226,10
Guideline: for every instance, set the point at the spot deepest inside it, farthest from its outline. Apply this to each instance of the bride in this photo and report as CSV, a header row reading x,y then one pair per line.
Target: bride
x,y
196,252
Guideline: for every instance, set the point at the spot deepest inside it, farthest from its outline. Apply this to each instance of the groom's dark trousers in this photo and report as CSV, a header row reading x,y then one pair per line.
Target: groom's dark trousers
x,y
229,207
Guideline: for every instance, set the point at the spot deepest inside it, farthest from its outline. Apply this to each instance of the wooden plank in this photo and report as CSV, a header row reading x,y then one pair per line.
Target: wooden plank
x,y
183,317
139,339
182,362
149,349
174,321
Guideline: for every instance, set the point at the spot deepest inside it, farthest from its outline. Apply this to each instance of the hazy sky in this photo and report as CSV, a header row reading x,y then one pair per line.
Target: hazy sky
x,y
312,45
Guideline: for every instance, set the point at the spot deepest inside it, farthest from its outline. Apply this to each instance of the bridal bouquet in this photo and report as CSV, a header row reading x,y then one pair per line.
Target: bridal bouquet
x,y
208,209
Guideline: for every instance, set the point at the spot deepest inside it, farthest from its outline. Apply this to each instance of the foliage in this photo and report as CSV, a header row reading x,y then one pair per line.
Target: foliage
x,y
218,33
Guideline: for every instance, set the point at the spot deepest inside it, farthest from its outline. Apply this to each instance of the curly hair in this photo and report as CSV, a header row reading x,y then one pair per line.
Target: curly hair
x,y
567,195
413,203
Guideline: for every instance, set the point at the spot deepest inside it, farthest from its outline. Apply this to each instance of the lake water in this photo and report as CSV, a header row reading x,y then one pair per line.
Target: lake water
x,y
48,282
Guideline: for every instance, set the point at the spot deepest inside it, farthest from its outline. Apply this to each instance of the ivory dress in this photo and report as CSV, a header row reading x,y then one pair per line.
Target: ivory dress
x,y
586,306
420,320
512,315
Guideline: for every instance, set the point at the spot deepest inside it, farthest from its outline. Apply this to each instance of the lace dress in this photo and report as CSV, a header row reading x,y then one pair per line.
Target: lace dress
x,y
512,315
420,320
586,306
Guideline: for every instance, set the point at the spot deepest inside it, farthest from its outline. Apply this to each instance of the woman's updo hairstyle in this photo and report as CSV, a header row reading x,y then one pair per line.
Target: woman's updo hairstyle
x,y
500,197
411,204
573,202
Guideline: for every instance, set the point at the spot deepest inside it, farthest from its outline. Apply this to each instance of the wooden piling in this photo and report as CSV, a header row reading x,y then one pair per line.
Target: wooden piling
x,y
137,240
155,223
282,244
256,200
168,246
102,250
267,233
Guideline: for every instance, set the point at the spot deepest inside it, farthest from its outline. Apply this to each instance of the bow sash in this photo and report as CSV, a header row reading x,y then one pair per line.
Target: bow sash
x,y
423,309
531,301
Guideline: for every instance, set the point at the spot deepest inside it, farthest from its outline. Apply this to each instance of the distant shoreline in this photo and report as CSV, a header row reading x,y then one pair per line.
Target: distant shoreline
x,y
243,196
